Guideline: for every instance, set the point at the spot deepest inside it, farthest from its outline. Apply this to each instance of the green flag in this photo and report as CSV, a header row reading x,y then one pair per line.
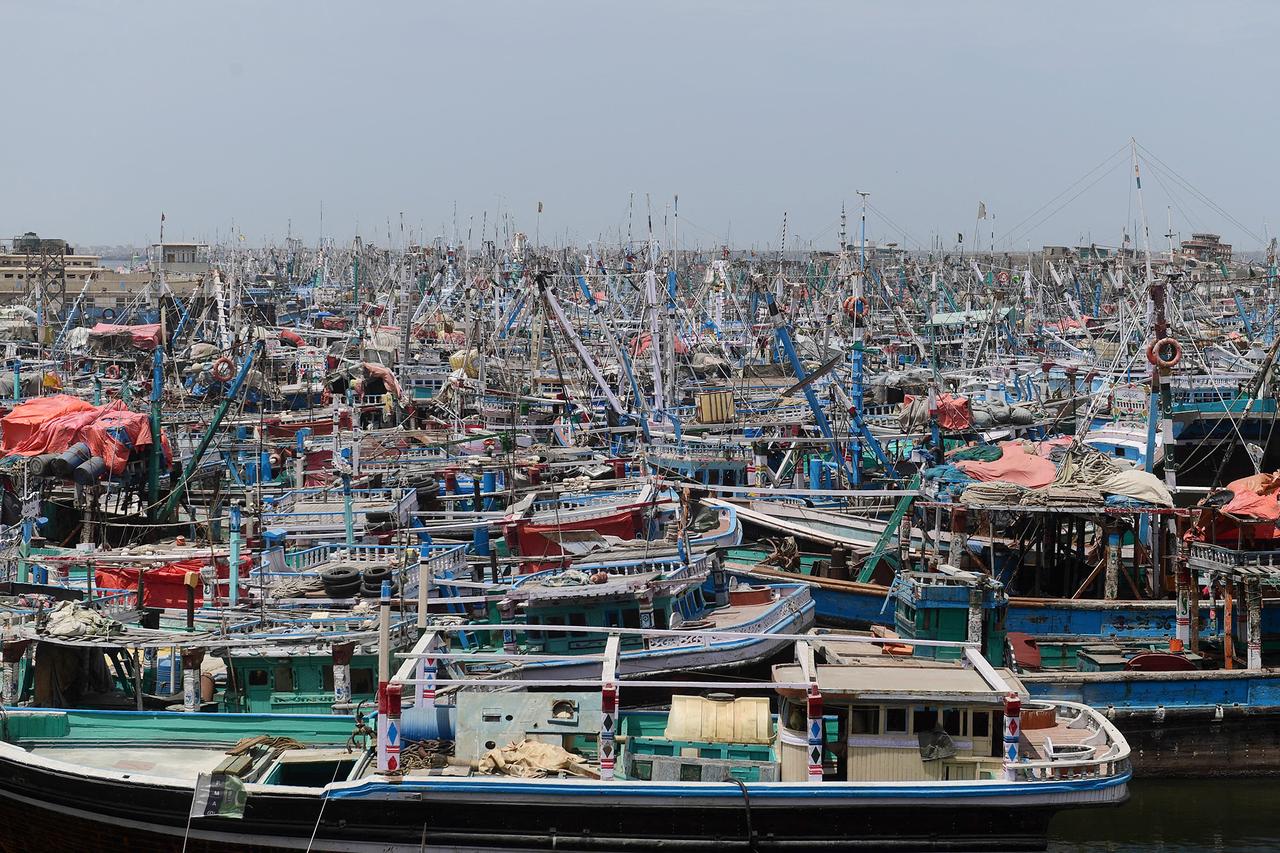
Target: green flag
x,y
218,795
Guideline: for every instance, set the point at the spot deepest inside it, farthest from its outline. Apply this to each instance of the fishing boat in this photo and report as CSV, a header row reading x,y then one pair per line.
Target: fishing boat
x,y
869,753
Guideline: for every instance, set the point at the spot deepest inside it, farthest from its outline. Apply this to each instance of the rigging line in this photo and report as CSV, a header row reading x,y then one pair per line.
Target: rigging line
x,y
1194,191
1070,187
1195,226
1216,389
1019,234
896,226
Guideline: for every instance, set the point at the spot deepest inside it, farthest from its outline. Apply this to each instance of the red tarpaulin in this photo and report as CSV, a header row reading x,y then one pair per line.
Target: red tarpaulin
x,y
111,430
539,540
27,417
165,585
953,410
146,336
1015,465
640,345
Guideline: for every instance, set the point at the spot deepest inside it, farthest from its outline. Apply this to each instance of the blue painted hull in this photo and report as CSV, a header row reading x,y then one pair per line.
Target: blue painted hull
x,y
843,603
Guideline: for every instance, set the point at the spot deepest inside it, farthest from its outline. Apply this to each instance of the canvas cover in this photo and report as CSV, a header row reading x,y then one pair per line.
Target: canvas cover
x,y
146,336
1015,465
53,424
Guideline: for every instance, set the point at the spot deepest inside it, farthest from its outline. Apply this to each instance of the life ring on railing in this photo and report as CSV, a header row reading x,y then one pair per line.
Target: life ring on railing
x,y
108,313
223,369
1165,352
112,371
854,307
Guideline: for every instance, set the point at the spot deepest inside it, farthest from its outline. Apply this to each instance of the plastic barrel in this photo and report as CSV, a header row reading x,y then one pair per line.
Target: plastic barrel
x,y
69,460
42,465
164,664
429,723
90,472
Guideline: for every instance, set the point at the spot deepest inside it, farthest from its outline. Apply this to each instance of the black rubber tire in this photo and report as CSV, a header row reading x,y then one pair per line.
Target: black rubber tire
x,y
376,574
374,590
344,591
339,576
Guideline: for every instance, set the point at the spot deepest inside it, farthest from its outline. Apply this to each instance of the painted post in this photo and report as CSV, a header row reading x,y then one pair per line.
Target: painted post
x,y
17,381
428,668
342,653
1012,734
389,706
973,633
426,581
1253,603
959,536
608,723
450,489
813,710
233,562
191,660
1229,623
479,536
719,582
507,610
300,460
348,514
761,465
646,610
1183,607
384,634
13,654
1112,586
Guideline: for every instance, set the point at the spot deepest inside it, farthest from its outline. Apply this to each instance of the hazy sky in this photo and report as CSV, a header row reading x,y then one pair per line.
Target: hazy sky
x,y
258,112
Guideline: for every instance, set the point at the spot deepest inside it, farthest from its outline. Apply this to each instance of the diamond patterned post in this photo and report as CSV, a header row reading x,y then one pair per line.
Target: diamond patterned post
x,y
428,667
1012,733
389,703
608,725
816,739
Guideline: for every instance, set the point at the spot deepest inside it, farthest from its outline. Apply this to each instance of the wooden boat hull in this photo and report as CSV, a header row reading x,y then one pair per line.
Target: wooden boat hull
x,y
47,805
840,602
1194,724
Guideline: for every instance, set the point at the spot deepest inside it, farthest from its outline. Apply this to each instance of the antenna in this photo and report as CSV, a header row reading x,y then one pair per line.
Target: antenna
x,y
862,249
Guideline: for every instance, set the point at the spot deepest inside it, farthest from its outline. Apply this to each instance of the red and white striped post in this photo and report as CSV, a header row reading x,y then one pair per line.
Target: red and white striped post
x,y
816,737
1012,734
389,701
428,665
342,653
608,729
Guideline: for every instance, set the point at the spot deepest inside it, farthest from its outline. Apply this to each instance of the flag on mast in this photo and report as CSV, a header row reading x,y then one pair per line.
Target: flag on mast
x,y
982,210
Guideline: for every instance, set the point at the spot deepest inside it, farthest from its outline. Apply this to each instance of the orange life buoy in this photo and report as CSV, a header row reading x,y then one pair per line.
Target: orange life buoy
x,y
223,369
855,307
112,371
1165,352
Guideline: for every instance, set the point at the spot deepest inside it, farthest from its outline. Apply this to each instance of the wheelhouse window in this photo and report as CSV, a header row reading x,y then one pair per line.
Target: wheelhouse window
x,y
895,720
924,720
864,721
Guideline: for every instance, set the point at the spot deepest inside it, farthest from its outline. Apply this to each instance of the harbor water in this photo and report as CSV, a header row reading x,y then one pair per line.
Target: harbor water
x,y
1165,816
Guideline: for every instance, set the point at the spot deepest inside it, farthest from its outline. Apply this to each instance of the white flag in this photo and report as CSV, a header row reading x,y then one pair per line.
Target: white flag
x,y
982,210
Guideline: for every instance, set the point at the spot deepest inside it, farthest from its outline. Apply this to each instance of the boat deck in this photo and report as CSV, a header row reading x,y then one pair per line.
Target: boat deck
x,y
181,762
1038,744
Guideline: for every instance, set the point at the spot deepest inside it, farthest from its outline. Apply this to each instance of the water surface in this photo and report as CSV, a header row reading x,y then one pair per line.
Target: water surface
x,y
1222,815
